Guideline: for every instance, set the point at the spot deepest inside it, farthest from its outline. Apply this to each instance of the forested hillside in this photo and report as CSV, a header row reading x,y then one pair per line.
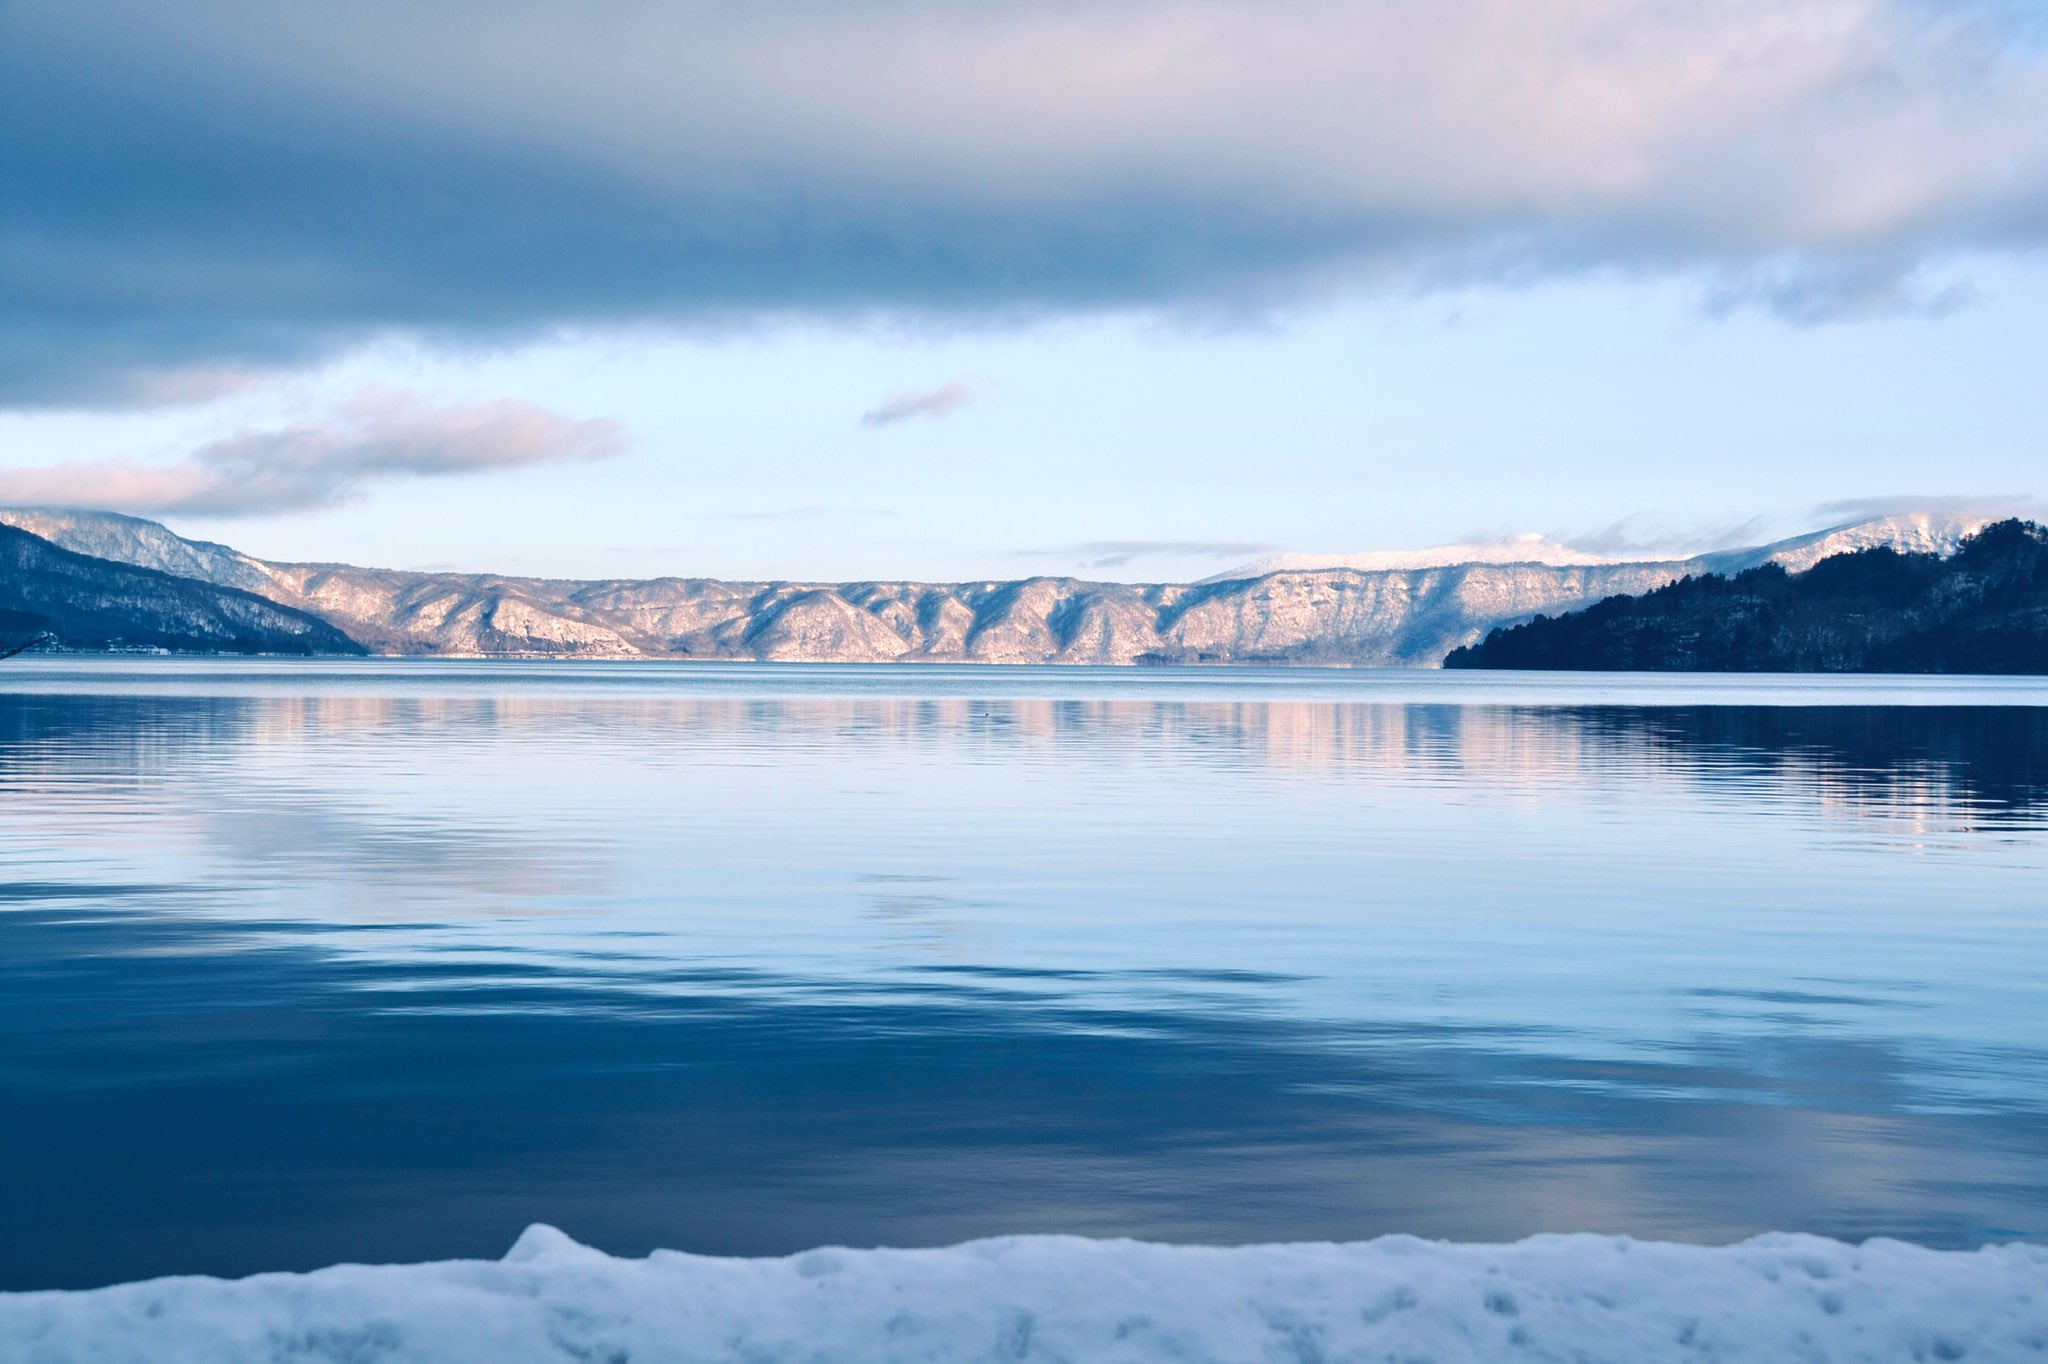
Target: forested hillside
x,y
1982,610
86,603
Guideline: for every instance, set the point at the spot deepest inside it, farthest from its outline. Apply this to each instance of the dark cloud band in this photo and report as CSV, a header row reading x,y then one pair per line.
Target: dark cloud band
x,y
191,189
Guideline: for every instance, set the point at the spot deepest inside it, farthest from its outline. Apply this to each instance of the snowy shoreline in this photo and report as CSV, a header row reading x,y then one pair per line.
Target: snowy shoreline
x,y
1576,1297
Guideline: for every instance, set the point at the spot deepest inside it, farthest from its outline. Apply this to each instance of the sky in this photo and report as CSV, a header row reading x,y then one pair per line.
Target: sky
x,y
1131,289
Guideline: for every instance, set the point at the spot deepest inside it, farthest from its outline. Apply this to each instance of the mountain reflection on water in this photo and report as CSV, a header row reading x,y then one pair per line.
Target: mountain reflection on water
x,y
385,965
1992,760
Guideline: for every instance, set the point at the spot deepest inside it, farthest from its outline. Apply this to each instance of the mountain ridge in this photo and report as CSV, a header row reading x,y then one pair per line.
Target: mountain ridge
x,y
1338,616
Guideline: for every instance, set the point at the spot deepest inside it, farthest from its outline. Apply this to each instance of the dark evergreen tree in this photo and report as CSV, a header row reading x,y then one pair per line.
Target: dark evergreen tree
x,y
1984,609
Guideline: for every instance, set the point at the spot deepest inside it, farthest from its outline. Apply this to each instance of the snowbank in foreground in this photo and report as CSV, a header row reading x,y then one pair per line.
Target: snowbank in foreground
x,y
1580,1298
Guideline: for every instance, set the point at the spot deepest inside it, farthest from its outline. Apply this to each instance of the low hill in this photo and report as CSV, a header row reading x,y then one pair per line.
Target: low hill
x,y
88,603
1982,610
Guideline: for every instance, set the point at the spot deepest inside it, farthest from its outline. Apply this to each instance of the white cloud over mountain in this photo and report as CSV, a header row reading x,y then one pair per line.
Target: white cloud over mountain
x,y
380,436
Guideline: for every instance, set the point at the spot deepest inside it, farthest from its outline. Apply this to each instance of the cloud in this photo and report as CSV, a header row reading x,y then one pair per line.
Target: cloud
x,y
1640,534
943,401
1806,294
808,512
201,187
1118,553
2000,504
380,436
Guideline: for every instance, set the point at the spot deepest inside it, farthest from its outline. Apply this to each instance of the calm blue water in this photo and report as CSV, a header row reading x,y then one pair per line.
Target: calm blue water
x,y
385,961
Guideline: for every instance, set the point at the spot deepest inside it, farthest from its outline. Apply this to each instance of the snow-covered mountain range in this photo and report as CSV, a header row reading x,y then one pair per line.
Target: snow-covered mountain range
x,y
1404,609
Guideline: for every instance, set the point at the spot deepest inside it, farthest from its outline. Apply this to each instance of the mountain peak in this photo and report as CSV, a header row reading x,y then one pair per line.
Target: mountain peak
x,y
145,544
1927,532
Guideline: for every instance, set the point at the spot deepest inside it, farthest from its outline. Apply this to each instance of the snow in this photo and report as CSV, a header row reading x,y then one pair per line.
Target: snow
x,y
1907,532
1554,1298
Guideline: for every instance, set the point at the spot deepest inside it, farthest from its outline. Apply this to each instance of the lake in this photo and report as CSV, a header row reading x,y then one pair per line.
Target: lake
x,y
384,961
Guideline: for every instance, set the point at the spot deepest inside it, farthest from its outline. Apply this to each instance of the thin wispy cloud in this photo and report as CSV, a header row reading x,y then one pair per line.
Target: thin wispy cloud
x,y
1645,535
942,401
380,436
811,512
1999,504
1806,294
1121,553
500,169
